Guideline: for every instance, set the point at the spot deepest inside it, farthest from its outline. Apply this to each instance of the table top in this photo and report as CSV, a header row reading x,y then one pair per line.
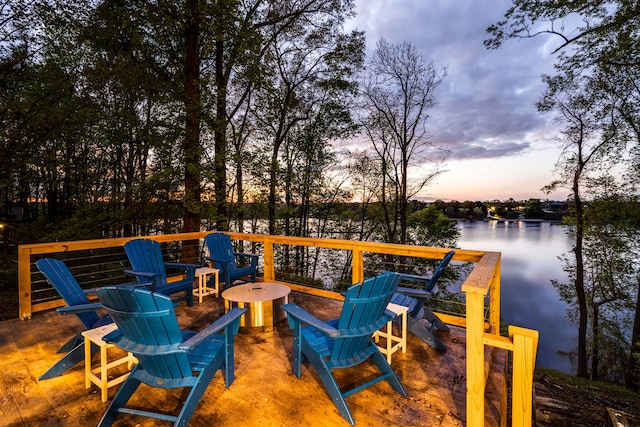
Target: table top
x,y
396,308
96,334
205,270
256,292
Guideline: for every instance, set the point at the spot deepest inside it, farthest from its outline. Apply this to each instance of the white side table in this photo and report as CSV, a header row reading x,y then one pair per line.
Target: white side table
x,y
394,342
99,375
202,274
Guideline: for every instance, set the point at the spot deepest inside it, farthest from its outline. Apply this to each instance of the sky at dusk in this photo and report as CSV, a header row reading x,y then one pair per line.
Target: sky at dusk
x,y
499,146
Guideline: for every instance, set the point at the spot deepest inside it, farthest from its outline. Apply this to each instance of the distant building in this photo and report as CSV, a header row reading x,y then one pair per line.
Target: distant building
x,y
555,207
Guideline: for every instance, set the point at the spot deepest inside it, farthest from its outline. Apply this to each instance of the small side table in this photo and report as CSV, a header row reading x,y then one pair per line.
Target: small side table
x,y
202,274
99,375
394,342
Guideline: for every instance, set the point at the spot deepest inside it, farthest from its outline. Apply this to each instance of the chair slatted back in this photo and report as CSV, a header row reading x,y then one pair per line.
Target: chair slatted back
x,y
58,275
416,306
220,246
150,330
362,314
146,255
438,271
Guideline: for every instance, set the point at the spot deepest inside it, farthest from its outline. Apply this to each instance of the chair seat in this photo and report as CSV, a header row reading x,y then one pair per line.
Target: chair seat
x,y
318,341
402,299
244,271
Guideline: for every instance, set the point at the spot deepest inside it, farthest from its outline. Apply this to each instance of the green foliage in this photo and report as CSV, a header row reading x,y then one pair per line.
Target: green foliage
x,y
94,104
610,271
9,278
431,227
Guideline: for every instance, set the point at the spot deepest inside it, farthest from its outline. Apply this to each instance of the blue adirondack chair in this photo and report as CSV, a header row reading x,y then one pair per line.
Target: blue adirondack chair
x,y
147,265
168,358
347,341
414,299
59,276
221,253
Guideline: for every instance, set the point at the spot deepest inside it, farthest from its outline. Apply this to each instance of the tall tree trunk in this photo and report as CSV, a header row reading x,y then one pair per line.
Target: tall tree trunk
x,y
192,167
632,380
240,187
390,237
579,279
220,140
273,180
403,198
595,353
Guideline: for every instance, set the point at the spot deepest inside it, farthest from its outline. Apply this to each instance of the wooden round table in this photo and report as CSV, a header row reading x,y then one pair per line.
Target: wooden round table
x,y
262,301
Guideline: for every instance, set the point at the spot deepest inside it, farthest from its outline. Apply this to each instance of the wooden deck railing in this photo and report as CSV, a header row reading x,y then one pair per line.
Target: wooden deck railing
x,y
481,335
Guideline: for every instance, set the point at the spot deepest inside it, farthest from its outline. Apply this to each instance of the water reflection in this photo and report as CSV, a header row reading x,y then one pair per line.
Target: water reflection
x,y
529,262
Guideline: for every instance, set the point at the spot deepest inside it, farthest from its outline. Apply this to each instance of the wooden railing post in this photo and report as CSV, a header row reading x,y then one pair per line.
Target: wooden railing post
x,y
525,344
24,282
484,277
269,267
475,359
357,266
494,300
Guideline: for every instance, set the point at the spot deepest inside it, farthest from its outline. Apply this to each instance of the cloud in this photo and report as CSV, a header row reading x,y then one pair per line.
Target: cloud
x,y
486,104
487,151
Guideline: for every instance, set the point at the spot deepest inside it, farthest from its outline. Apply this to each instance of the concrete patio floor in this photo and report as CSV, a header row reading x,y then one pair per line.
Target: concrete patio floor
x,y
264,393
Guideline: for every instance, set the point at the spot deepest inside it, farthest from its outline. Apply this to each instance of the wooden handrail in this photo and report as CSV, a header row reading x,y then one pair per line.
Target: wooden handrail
x,y
483,281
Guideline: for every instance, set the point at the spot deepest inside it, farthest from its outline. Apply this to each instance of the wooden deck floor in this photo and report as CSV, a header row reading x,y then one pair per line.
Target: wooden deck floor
x,y
264,393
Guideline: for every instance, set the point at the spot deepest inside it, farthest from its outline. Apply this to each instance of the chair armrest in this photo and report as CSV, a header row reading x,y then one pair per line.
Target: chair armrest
x,y
136,285
181,265
230,319
418,293
254,257
93,291
300,315
389,315
414,277
140,273
113,336
246,255
82,308
190,268
210,258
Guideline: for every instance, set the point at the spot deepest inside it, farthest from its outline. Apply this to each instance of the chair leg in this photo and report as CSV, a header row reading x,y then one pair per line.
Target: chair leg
x,y
71,344
189,297
384,367
69,360
296,357
435,320
120,400
195,394
424,334
227,360
330,385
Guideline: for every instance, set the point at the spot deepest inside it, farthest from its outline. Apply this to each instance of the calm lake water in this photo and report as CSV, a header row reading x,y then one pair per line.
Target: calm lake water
x,y
528,264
